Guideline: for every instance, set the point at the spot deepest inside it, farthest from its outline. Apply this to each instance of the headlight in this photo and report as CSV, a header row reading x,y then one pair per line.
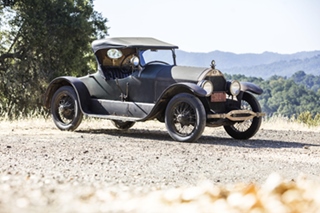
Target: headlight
x,y
135,61
207,86
235,88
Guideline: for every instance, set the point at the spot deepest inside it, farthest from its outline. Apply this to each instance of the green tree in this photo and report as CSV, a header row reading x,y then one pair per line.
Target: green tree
x,y
284,96
310,81
299,76
44,39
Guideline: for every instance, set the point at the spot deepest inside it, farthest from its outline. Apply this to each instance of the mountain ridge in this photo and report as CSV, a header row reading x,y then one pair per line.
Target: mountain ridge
x,y
263,65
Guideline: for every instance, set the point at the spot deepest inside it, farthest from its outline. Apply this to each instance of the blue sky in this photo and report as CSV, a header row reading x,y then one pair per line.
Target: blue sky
x,y
239,26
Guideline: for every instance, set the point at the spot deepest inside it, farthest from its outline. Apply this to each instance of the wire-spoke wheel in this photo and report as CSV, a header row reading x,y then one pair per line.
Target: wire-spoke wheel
x,y
185,117
65,109
248,128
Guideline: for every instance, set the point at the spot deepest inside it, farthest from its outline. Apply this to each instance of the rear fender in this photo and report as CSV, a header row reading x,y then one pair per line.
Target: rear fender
x,y
81,90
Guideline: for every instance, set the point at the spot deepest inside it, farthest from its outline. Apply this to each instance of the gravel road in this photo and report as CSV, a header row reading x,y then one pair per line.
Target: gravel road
x,y
43,169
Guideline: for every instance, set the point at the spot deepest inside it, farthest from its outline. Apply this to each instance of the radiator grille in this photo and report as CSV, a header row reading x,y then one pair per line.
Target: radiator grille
x,y
219,84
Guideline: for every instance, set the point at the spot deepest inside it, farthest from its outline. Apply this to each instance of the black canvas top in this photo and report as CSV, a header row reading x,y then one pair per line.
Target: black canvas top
x,y
124,42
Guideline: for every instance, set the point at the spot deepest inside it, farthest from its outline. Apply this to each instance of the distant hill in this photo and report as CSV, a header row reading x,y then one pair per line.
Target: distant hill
x,y
262,65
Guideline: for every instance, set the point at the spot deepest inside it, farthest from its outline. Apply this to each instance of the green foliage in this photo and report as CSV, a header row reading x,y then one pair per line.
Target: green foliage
x,y
310,81
7,3
284,96
44,39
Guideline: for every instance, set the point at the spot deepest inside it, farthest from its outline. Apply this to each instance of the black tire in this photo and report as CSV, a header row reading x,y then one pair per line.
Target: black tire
x,y
246,129
65,109
185,118
123,125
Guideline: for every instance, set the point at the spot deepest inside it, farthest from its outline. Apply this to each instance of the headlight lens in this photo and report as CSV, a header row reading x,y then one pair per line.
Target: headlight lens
x,y
207,86
135,61
235,88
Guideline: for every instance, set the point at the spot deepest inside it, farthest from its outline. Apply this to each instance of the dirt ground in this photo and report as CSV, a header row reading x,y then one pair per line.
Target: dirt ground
x,y
101,169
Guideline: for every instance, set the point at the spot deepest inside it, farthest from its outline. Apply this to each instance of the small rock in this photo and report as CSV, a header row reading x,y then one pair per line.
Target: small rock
x,y
9,147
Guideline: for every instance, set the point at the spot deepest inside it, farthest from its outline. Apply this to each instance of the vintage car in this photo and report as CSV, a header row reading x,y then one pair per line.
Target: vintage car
x,y
138,79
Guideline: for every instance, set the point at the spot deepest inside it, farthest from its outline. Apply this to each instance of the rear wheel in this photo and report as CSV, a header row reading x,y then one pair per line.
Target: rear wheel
x,y
246,129
65,109
123,125
185,117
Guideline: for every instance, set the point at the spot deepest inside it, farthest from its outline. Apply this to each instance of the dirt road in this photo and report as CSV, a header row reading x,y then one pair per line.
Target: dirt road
x,y
44,168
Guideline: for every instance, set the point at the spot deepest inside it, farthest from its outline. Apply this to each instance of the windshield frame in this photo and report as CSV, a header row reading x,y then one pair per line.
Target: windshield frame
x,y
143,50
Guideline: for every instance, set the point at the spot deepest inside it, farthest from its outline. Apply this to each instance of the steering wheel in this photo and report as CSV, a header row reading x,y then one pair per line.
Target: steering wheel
x,y
126,61
126,64
161,62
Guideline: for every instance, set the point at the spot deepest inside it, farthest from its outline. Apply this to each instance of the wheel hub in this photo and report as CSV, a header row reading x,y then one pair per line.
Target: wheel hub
x,y
66,109
183,119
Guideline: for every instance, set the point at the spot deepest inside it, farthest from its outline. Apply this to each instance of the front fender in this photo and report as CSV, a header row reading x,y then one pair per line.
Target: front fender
x,y
183,87
251,87
81,90
168,93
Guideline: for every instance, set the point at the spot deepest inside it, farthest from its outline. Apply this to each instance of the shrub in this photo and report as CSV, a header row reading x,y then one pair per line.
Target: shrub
x,y
307,118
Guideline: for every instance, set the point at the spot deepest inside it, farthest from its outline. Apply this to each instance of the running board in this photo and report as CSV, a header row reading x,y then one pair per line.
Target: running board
x,y
119,110
237,115
115,117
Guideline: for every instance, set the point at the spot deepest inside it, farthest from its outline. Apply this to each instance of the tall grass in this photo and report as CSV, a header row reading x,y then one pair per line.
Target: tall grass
x,y
37,113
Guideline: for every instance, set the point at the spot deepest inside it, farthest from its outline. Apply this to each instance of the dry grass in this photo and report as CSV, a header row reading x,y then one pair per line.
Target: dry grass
x,y
282,123
273,123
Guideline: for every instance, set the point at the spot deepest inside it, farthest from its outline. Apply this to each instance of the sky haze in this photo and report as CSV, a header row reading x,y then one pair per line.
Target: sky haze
x,y
246,26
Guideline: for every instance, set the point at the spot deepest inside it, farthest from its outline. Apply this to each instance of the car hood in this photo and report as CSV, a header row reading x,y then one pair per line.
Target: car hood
x,y
175,73
184,73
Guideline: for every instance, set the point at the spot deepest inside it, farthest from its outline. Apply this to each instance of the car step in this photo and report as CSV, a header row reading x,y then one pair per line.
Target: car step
x,y
115,117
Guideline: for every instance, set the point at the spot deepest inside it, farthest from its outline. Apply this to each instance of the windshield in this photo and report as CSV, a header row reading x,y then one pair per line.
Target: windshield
x,y
155,56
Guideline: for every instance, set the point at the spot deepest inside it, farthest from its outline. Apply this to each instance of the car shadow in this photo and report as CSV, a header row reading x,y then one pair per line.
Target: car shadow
x,y
255,143
205,139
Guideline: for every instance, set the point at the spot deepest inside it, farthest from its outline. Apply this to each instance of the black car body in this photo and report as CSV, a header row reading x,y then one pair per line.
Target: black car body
x,y
138,80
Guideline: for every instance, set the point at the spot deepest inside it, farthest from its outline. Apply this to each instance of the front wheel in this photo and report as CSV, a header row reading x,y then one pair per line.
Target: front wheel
x,y
65,109
246,129
185,117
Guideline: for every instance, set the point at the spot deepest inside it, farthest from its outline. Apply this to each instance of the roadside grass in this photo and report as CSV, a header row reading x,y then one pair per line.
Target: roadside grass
x,y
284,123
